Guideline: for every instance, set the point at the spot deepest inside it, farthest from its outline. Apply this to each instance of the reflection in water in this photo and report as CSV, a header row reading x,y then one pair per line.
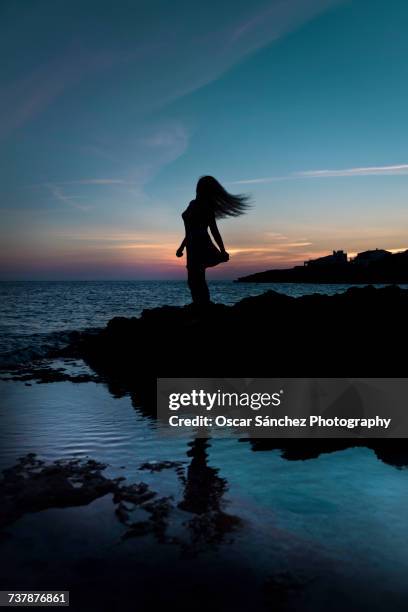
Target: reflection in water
x,y
203,497
204,488
285,535
392,451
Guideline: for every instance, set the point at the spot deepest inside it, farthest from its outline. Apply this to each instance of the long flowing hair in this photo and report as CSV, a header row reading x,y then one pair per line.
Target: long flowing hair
x,y
222,203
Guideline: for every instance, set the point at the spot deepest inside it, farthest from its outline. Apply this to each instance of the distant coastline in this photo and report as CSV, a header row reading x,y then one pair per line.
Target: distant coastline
x,y
377,266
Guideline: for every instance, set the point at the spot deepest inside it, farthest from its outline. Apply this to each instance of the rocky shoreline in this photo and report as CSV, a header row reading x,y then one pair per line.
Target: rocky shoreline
x,y
271,335
357,332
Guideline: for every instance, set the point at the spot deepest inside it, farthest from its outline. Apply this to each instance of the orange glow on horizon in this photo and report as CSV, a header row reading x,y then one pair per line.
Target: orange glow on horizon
x,y
124,252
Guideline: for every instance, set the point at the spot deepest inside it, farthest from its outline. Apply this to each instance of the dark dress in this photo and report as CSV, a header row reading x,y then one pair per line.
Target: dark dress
x,y
201,251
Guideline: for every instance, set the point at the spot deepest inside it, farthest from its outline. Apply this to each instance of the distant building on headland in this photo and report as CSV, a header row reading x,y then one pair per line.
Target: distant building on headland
x,y
367,257
364,258
338,257
375,266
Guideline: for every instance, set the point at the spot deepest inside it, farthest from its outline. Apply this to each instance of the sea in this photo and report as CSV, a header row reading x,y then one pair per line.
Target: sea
x,y
37,316
313,534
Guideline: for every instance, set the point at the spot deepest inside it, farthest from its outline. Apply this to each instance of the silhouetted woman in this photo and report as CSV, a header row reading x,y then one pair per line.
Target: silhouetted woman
x,y
212,202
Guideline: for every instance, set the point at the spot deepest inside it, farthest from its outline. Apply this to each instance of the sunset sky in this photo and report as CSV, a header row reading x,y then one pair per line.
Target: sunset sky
x,y
110,111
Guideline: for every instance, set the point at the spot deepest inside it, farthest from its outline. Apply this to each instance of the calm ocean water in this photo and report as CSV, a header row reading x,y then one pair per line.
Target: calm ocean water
x,y
35,316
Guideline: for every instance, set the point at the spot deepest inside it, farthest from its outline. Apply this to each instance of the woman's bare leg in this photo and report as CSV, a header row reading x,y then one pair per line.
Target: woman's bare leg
x,y
198,285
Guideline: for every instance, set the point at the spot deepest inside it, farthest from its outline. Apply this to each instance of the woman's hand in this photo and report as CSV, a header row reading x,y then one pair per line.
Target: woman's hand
x,y
179,252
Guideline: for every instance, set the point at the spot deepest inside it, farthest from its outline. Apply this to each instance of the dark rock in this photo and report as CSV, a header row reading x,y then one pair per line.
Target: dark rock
x,y
360,332
32,485
158,466
42,373
356,332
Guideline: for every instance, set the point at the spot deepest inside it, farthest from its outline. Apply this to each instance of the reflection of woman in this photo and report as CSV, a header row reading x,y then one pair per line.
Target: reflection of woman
x,y
212,202
204,488
203,497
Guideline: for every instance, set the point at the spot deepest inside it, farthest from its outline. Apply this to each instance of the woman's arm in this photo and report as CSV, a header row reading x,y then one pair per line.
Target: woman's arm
x,y
179,252
216,234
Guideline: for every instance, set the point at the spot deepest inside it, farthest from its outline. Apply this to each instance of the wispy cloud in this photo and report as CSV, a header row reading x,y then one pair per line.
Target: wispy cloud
x,y
275,249
263,179
71,200
98,181
28,95
359,171
275,236
165,54
86,181
217,48
154,147
399,169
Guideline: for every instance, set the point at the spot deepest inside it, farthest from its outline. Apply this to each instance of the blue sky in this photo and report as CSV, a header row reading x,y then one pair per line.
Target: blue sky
x,y
110,111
